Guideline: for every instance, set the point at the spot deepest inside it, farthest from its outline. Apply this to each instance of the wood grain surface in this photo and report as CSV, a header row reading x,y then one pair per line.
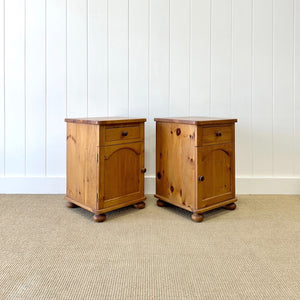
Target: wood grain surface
x,y
195,163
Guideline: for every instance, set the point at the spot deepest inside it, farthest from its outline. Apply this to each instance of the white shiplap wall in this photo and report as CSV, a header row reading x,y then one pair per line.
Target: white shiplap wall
x,y
149,58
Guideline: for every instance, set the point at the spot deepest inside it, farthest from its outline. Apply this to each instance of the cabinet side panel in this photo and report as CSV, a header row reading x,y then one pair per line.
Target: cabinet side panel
x,y
91,165
75,187
175,163
82,142
233,164
188,165
142,165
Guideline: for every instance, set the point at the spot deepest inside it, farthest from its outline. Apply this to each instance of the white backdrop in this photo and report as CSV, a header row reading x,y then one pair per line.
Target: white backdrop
x,y
148,58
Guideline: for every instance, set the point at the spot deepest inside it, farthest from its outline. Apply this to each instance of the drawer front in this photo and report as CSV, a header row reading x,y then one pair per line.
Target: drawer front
x,y
122,134
217,135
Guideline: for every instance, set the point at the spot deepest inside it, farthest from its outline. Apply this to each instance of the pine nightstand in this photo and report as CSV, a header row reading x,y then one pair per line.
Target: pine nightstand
x,y
195,163
105,164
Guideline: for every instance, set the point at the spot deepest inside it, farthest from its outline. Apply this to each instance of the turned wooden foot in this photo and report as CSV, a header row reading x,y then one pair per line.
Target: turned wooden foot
x,y
99,218
160,203
71,205
197,217
139,205
230,206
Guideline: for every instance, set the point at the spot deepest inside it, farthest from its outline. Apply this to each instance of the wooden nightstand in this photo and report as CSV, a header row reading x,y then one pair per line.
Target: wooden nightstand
x,y
195,163
105,164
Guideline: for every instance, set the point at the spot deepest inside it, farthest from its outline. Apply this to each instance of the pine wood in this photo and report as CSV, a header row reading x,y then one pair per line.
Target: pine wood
x,y
210,135
99,217
105,168
197,217
196,120
71,205
195,163
115,134
139,205
231,206
105,120
160,203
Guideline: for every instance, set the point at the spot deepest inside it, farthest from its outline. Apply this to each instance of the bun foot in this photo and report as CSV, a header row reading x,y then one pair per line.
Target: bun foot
x,y
71,205
197,217
160,203
230,206
139,205
99,218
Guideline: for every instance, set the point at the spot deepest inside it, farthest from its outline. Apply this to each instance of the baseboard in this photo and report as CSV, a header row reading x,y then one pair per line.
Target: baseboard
x,y
57,185
265,185
49,185
32,185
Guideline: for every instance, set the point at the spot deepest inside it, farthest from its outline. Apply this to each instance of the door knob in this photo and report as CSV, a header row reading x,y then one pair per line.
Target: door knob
x,y
124,133
201,178
143,170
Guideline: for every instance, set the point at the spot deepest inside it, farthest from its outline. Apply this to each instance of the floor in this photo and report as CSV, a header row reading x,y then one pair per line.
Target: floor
x,y
49,251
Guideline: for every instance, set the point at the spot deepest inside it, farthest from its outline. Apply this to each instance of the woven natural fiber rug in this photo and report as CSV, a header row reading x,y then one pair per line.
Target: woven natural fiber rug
x,y
48,251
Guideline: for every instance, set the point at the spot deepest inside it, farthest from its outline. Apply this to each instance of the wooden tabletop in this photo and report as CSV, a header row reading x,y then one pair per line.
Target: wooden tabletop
x,y
105,120
195,120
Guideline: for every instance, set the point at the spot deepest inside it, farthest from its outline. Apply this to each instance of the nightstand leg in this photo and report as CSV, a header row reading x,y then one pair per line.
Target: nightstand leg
x,y
99,218
71,205
160,203
139,205
230,206
197,217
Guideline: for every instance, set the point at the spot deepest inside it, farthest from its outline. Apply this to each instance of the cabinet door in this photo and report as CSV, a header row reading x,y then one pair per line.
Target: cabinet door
x,y
121,173
215,174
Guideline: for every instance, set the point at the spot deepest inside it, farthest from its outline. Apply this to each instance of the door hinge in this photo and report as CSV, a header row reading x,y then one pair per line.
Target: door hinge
x,y
97,157
97,197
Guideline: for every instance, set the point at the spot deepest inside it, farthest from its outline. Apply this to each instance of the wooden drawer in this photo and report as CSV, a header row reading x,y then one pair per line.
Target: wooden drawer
x,y
217,135
122,134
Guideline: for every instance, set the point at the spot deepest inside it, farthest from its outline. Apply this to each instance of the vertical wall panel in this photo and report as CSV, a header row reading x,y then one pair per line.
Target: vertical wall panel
x,y
97,58
283,126
152,58
158,72
221,58
262,92
242,82
200,58
56,87
35,87
138,58
159,59
118,57
179,57
297,86
77,58
2,111
139,66
14,87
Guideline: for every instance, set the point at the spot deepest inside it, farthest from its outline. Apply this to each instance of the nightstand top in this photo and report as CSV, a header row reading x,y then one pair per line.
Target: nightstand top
x,y
195,120
104,120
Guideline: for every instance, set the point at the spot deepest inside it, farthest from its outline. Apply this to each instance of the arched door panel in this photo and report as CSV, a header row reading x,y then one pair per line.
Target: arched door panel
x,y
121,174
215,174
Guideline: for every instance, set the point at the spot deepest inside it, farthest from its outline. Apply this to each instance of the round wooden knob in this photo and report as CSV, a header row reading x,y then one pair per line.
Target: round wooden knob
x,y
124,133
178,131
218,133
201,178
143,170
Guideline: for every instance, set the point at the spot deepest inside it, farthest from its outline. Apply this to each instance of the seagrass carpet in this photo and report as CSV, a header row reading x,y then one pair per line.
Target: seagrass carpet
x,y
49,251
